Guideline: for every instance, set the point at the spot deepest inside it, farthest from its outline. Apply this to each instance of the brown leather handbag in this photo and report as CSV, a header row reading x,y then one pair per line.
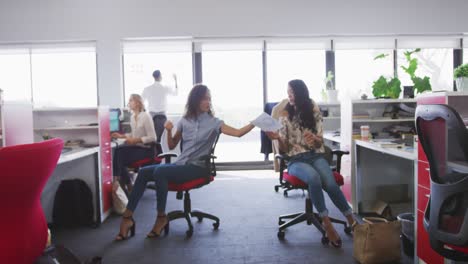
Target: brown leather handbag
x,y
377,241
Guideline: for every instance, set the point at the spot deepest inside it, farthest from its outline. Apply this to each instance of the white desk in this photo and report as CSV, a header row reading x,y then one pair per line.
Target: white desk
x,y
386,174
79,163
331,136
77,153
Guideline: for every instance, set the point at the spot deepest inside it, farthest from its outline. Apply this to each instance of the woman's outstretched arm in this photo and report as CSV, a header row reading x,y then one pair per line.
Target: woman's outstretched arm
x,y
230,131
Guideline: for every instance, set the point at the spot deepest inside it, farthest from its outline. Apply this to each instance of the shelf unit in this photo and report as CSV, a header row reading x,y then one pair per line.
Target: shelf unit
x,y
355,113
92,165
331,122
66,128
383,120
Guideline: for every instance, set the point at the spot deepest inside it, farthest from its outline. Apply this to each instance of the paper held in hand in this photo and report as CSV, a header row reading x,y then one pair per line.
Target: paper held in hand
x,y
266,123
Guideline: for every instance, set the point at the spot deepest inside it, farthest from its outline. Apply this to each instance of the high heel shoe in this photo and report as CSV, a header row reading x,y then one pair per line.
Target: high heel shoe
x,y
335,243
153,234
131,229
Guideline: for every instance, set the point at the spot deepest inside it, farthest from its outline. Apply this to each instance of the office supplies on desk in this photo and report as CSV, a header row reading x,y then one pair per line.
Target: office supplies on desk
x,y
66,149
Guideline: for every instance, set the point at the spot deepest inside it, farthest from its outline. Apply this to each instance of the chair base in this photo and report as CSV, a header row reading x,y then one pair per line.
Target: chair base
x,y
287,187
311,218
188,213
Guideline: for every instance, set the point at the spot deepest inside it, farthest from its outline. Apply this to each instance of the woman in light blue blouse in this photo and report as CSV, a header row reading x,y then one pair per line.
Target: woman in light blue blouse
x,y
198,128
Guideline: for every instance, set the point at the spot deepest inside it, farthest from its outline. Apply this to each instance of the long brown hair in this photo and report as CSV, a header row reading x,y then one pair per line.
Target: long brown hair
x,y
192,108
304,106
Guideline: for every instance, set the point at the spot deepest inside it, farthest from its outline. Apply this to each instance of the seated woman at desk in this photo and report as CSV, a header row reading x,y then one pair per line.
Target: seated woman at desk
x,y
198,129
301,138
137,143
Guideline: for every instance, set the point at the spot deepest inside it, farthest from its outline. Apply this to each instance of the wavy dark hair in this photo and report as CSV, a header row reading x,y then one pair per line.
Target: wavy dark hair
x,y
304,106
192,108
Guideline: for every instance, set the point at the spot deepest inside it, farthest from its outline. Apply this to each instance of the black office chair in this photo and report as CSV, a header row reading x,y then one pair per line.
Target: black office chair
x,y
292,182
183,189
444,138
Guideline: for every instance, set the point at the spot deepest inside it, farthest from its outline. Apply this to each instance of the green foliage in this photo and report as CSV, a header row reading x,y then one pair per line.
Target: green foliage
x,y
420,84
329,81
412,63
381,56
461,71
384,88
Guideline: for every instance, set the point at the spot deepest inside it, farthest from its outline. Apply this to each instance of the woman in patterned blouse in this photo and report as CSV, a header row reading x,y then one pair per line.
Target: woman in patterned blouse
x,y
301,137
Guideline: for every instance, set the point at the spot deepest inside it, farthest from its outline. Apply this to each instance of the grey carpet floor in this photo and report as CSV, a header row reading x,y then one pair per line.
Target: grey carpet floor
x,y
248,208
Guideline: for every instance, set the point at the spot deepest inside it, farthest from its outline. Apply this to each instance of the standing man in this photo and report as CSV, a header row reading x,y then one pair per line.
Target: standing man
x,y
155,96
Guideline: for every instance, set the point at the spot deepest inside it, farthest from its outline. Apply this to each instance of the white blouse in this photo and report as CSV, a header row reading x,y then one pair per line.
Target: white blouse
x,y
142,127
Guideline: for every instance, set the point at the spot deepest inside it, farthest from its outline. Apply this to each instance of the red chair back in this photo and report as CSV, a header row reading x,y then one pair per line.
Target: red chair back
x,y
25,170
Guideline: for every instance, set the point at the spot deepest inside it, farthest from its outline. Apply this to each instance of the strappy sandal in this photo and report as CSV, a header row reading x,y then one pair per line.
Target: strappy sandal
x,y
337,243
153,234
131,229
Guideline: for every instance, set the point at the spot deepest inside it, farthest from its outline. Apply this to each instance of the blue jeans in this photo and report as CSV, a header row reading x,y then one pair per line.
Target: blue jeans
x,y
313,169
161,174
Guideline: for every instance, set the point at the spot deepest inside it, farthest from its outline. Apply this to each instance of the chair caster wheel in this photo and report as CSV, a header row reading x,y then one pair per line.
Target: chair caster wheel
x,y
189,233
276,188
347,230
200,219
309,222
280,222
325,240
216,225
281,235
285,193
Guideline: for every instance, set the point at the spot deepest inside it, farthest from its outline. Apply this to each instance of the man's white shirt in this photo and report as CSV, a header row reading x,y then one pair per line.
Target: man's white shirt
x,y
155,96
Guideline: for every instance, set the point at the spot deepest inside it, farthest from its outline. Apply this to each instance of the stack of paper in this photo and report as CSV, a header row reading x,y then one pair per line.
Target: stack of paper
x,y
266,123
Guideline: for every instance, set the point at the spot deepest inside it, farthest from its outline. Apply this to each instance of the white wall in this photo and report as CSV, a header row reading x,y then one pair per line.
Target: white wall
x,y
108,21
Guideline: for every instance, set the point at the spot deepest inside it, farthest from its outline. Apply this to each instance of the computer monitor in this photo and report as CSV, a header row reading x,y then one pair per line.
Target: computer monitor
x,y
114,120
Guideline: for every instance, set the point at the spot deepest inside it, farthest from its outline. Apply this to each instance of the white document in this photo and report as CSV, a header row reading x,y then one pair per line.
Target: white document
x,y
266,122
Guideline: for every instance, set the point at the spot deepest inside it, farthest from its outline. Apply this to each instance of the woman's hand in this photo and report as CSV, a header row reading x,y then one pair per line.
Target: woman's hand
x,y
310,138
168,125
132,141
117,135
272,135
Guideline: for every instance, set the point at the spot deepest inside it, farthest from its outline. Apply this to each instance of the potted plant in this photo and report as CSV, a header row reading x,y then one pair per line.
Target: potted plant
x,y
332,93
461,77
419,84
386,87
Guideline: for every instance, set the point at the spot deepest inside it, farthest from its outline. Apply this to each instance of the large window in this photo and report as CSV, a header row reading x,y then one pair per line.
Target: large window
x,y
285,65
59,75
437,64
356,70
142,58
64,77
435,60
465,53
15,71
235,80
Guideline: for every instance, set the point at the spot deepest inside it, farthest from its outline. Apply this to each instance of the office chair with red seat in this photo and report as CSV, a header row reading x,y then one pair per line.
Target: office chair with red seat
x,y
444,139
150,160
329,154
25,170
183,189
292,182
